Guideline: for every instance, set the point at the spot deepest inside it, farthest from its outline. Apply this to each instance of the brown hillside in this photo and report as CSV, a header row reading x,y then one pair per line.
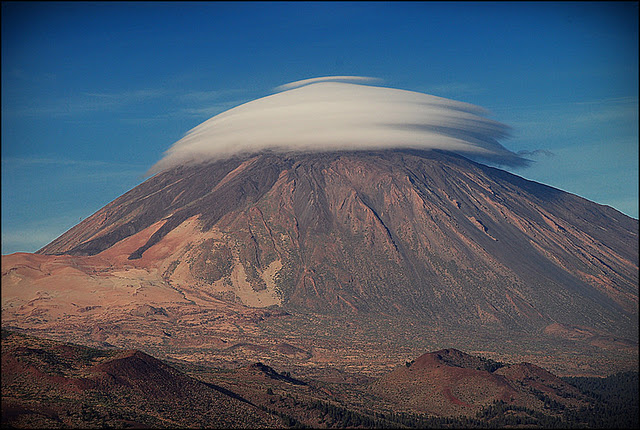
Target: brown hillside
x,y
48,385
425,233
452,383
385,252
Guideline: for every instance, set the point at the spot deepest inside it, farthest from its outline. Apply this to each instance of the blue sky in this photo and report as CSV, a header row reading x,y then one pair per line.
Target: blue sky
x,y
94,93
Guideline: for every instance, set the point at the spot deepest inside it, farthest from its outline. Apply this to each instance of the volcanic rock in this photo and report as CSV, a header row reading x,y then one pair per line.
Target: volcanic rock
x,y
428,234
427,241
450,382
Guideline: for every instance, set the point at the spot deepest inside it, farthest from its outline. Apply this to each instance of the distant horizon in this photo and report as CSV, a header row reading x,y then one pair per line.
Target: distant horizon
x,y
93,94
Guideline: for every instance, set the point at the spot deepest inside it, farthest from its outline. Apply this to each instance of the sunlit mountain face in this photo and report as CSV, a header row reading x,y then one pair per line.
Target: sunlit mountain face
x,y
340,256
340,224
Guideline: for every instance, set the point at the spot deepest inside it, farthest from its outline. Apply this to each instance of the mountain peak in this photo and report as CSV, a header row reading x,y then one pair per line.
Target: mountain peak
x,y
392,235
453,358
348,230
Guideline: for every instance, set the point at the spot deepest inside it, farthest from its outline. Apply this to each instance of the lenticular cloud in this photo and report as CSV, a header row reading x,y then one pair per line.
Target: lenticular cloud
x,y
328,116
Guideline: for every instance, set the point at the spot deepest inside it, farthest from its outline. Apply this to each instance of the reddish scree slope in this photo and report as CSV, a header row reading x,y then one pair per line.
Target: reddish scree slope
x,y
450,382
423,234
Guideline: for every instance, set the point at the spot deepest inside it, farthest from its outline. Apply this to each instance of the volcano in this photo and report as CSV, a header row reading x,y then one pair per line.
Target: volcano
x,y
299,255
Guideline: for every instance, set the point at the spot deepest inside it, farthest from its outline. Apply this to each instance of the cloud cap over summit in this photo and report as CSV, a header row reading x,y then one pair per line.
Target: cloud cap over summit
x,y
328,116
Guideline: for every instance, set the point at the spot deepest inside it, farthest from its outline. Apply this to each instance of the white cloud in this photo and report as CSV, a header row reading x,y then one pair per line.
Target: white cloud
x,y
329,116
303,82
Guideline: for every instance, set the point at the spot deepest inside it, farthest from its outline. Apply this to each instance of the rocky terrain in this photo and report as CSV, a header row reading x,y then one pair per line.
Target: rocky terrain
x,y
355,260
48,384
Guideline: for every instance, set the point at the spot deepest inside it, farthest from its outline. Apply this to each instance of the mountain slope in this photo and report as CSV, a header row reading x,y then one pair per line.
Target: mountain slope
x,y
330,257
47,384
424,233
450,382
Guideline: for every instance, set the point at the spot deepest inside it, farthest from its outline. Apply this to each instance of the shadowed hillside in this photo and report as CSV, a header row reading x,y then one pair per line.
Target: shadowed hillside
x,y
47,384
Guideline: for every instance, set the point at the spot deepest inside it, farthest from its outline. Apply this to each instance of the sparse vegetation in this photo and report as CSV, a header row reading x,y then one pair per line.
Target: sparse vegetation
x,y
137,390
211,262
